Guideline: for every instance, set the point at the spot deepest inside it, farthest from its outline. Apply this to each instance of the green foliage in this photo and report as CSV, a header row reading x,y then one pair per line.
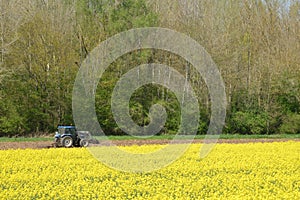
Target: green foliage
x,y
10,121
42,49
290,124
249,123
42,83
139,107
289,98
131,14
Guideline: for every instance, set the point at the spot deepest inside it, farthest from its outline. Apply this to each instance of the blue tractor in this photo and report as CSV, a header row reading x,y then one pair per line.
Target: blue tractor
x,y
68,136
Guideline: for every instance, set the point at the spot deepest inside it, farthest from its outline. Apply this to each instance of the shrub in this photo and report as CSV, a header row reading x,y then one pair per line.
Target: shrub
x,y
249,123
290,124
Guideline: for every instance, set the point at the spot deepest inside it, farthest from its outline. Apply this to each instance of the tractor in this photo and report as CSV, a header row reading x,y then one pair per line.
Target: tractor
x,y
68,136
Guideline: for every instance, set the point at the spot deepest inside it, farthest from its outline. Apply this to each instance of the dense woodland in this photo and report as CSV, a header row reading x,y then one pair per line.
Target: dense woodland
x,y
255,44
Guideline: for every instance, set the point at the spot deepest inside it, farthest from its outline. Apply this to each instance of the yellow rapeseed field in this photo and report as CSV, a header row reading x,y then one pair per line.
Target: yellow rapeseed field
x,y
230,171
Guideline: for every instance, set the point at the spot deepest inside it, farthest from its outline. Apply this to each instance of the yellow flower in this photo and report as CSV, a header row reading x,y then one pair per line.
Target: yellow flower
x,y
230,171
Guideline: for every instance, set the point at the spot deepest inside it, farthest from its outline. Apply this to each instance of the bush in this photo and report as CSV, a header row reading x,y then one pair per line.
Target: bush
x,y
249,123
10,121
290,124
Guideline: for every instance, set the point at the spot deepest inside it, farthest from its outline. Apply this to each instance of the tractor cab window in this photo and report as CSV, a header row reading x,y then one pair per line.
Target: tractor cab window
x,y
72,131
61,131
67,130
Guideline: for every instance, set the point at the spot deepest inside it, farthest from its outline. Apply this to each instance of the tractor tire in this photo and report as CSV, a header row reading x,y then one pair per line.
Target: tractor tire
x,y
84,143
67,142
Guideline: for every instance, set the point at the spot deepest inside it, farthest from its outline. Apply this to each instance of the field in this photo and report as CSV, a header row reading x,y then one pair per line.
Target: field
x,y
230,171
46,142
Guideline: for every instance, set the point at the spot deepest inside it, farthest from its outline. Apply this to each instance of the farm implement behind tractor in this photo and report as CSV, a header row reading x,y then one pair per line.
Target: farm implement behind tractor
x,y
68,136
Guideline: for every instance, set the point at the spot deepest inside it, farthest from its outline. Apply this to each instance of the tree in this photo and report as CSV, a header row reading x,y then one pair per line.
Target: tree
x,y
43,59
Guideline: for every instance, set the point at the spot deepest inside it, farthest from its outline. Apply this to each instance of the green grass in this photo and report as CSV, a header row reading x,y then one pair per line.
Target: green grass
x,y
161,137
276,136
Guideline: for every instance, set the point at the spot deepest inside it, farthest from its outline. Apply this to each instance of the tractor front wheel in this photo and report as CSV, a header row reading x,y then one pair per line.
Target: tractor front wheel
x,y
67,141
84,143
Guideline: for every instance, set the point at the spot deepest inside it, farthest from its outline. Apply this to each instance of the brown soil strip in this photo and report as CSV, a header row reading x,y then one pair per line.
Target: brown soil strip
x,y
49,144
25,145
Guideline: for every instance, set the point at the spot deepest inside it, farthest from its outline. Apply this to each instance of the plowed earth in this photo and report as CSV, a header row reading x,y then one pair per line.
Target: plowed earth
x,y
49,144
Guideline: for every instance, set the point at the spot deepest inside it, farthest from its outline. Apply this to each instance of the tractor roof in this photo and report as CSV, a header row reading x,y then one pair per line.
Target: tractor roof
x,y
66,127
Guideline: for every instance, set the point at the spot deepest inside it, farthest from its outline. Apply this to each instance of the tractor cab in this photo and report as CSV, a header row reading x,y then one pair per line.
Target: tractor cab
x,y
66,130
68,136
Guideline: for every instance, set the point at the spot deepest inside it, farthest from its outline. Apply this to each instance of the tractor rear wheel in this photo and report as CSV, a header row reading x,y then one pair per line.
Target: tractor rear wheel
x,y
84,143
67,141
